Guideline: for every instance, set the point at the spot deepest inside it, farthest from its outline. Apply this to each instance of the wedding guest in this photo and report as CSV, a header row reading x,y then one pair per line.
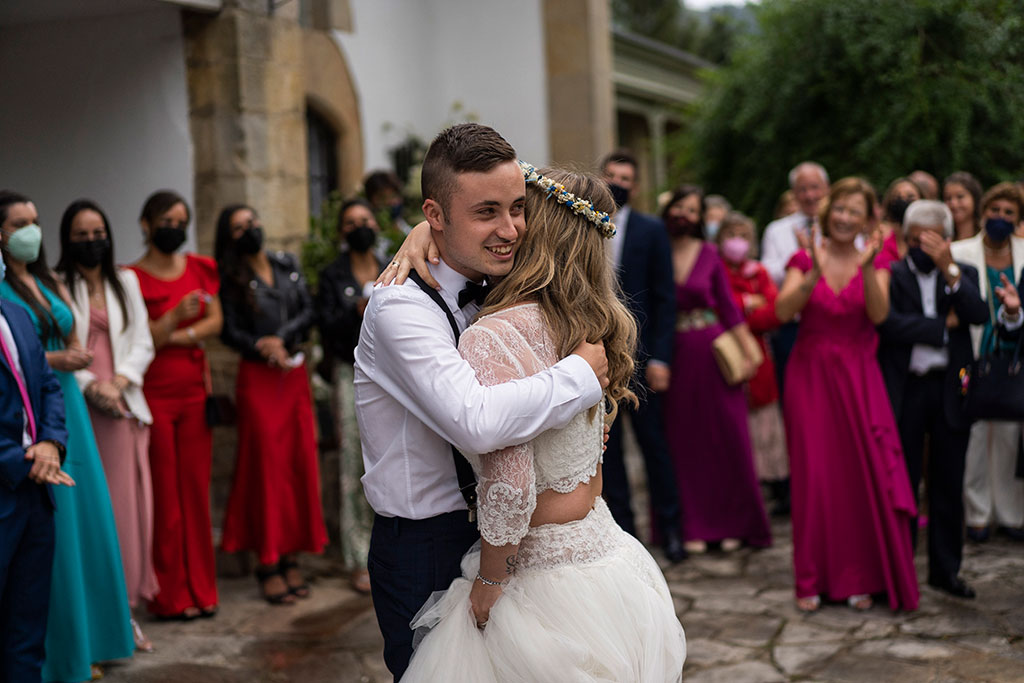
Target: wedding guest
x,y
900,194
754,292
383,191
786,205
708,434
32,449
991,492
345,287
640,255
715,209
180,291
89,618
846,465
924,343
962,194
111,316
783,237
274,507
926,182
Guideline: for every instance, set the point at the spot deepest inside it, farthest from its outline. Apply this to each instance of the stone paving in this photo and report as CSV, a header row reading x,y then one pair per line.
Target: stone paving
x,y
737,610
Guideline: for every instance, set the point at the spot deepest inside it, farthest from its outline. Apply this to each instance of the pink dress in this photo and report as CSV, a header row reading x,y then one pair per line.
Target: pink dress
x,y
852,502
124,450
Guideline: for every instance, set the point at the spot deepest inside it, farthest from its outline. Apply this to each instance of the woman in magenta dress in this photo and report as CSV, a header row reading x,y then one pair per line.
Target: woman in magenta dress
x,y
851,497
706,419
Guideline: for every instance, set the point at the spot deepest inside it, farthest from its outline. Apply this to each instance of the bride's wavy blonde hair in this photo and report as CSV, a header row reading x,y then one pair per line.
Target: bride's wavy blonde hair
x,y
562,264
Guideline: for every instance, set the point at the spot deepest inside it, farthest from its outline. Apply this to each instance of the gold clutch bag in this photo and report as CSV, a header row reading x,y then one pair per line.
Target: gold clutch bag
x,y
730,356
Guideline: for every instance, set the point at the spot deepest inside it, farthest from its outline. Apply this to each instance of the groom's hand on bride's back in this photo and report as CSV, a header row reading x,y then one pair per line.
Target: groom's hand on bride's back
x,y
594,355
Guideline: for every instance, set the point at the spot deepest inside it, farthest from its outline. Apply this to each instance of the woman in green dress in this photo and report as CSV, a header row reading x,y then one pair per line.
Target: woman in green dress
x,y
89,620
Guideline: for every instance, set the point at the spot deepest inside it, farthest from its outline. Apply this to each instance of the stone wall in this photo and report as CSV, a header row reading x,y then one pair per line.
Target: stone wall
x,y
251,73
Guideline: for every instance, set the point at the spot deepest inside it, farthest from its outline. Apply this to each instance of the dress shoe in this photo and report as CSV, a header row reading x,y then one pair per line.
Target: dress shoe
x,y
978,534
955,587
1012,533
674,550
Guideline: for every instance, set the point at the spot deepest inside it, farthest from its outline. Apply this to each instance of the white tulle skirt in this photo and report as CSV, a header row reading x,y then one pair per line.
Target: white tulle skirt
x,y
587,603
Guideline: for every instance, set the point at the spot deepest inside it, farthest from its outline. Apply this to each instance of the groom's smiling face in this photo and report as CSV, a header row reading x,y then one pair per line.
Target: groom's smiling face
x,y
478,234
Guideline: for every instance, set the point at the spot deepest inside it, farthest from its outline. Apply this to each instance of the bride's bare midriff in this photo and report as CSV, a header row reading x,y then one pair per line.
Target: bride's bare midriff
x,y
558,508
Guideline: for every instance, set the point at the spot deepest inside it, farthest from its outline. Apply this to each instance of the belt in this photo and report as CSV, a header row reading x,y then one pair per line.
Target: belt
x,y
696,319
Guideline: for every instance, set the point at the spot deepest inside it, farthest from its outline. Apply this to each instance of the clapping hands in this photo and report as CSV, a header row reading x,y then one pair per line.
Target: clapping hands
x,y
1008,296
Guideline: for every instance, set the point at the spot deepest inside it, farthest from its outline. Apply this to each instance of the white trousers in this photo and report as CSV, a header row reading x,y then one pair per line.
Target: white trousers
x,y
991,492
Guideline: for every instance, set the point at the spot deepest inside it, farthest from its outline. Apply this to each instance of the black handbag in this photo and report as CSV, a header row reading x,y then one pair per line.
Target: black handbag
x,y
220,409
993,386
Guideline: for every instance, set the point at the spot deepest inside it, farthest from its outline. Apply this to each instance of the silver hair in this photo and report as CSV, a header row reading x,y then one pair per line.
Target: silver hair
x,y
928,213
717,200
807,164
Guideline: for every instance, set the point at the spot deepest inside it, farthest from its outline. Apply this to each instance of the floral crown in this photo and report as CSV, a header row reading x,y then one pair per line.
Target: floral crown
x,y
580,206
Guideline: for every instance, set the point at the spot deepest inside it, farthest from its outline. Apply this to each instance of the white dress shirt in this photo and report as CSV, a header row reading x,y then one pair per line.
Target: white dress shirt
x,y
12,348
779,243
620,219
415,395
925,358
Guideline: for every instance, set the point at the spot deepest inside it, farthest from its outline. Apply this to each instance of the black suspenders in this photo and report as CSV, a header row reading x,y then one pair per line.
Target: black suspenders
x,y
464,471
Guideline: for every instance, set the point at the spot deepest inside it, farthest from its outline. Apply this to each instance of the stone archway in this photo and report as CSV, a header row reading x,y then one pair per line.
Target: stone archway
x,y
330,92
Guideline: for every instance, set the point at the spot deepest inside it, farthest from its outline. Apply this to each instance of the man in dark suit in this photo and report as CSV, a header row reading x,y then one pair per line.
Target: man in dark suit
x,y
32,438
643,259
924,343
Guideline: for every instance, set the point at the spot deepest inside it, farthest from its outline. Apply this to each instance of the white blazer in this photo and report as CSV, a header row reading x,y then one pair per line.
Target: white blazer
x,y
972,252
131,345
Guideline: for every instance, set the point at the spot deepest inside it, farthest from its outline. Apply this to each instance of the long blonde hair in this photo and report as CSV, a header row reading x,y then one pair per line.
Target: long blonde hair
x,y
562,265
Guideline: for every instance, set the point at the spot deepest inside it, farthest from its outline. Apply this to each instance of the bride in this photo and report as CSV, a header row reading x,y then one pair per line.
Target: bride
x,y
556,590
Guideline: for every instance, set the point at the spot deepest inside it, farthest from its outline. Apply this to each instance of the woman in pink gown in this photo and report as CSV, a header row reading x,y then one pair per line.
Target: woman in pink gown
x,y
851,496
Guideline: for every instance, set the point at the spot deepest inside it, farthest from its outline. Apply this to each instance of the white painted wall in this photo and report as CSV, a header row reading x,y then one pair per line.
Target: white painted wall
x,y
411,60
97,108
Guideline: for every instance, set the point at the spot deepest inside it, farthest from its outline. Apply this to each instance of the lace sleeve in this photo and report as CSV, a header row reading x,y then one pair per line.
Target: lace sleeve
x,y
506,481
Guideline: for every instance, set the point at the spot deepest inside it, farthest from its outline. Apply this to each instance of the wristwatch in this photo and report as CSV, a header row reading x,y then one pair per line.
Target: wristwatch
x,y
953,271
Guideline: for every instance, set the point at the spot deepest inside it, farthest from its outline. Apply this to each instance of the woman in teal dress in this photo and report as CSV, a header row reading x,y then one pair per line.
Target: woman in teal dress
x,y
89,619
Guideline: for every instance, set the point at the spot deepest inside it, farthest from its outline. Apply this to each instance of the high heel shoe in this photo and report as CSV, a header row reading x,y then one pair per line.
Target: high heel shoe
x,y
142,643
264,575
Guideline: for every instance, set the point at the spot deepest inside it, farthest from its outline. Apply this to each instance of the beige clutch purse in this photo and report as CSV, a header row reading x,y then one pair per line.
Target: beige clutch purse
x,y
730,356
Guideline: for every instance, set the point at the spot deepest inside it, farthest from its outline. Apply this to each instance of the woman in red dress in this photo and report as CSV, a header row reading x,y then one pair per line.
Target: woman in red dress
x,y
274,508
755,292
180,291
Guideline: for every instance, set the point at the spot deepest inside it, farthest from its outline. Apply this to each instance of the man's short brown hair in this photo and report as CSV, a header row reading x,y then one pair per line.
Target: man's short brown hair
x,y
463,148
620,156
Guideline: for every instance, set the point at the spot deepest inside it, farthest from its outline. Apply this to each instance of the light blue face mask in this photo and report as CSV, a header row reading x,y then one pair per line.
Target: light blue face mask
x,y
3,269
23,244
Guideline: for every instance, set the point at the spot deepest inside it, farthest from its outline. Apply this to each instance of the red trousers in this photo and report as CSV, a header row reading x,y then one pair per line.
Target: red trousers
x,y
274,508
180,456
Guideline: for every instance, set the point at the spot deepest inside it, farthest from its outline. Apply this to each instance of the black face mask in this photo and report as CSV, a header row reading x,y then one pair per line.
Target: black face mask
x,y
168,239
998,229
89,254
896,208
680,226
361,239
922,261
619,194
251,241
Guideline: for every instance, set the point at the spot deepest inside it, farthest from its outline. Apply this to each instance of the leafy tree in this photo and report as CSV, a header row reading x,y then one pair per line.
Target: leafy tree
x,y
865,88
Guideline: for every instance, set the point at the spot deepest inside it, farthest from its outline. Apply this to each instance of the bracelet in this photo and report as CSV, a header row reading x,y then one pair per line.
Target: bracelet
x,y
488,582
191,334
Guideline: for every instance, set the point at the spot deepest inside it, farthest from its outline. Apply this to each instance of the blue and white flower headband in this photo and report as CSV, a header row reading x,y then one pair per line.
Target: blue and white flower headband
x,y
580,207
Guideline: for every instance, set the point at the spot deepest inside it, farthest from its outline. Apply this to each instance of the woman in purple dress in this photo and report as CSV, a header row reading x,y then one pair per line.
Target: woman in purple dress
x,y
706,419
851,497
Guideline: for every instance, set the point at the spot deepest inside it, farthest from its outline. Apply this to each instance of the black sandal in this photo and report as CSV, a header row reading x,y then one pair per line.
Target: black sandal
x,y
264,575
299,591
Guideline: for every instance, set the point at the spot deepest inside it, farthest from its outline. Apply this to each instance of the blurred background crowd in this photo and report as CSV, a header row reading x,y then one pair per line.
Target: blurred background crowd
x,y
761,194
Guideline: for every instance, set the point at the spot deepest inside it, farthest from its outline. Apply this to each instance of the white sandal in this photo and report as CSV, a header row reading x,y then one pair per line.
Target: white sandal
x,y
861,602
809,604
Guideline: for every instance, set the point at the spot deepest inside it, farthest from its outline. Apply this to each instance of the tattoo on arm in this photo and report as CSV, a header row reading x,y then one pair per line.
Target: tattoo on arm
x,y
510,564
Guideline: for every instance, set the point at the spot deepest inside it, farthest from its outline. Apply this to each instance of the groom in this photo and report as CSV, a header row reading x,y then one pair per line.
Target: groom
x,y
416,396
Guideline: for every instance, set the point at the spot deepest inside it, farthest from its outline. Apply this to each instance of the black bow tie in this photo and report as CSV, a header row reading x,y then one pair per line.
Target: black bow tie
x,y
473,292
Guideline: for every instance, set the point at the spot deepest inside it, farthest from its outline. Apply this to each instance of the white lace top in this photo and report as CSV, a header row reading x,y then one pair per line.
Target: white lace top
x,y
504,346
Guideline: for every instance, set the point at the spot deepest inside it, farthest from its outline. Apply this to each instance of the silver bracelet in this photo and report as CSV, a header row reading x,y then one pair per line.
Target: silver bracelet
x,y
488,582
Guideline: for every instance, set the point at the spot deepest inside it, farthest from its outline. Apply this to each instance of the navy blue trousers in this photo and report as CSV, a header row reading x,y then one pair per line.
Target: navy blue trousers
x,y
409,560
26,568
649,427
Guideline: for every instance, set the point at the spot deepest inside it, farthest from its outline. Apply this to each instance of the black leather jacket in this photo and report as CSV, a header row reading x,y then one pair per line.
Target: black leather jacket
x,y
337,299
283,310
